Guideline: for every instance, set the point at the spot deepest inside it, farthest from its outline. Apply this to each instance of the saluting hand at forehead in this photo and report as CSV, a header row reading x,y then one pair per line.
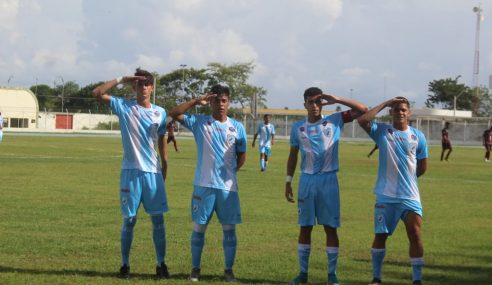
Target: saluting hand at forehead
x,y
324,99
205,99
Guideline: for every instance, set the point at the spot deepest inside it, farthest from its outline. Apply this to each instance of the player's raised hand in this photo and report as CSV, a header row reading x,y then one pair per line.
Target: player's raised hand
x,y
328,99
205,99
288,193
133,79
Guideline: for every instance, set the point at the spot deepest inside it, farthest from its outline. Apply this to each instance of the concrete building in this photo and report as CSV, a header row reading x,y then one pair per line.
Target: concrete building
x,y
19,108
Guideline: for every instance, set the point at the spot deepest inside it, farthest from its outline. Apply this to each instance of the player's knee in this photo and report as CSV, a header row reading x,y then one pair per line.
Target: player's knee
x,y
199,228
228,227
129,223
157,221
414,233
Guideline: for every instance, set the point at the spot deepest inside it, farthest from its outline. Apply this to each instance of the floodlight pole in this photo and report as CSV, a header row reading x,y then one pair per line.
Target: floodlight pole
x,y
476,60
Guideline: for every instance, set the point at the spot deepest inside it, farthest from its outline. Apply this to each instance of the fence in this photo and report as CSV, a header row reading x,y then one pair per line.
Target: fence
x,y
464,131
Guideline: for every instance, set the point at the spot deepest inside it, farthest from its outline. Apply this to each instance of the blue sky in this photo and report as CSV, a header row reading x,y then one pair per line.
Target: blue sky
x,y
367,50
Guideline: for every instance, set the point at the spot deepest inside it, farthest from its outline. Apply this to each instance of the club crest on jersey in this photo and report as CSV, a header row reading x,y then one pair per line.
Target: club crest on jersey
x,y
390,131
325,123
232,129
301,129
327,132
414,137
231,139
209,123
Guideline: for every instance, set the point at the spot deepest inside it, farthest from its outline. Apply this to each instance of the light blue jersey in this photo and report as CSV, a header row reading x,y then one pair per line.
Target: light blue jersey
x,y
318,143
140,128
217,147
265,132
398,155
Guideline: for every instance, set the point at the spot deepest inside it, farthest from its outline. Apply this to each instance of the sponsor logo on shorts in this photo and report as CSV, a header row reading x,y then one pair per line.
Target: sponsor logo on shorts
x,y
125,190
124,201
195,208
380,218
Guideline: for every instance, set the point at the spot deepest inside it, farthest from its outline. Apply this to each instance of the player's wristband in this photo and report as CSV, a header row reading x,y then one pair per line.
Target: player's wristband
x,y
288,179
119,79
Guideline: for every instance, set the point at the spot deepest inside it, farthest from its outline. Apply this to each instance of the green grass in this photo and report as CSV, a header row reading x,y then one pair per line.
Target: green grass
x,y
60,218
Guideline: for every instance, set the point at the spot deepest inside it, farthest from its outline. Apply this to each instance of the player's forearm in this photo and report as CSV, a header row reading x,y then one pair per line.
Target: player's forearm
x,y
240,160
104,88
182,108
355,105
366,118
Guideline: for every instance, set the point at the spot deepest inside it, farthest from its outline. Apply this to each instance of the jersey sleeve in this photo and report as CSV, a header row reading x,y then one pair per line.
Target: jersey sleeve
x,y
162,126
273,130
294,140
190,121
116,105
258,129
422,152
375,131
241,139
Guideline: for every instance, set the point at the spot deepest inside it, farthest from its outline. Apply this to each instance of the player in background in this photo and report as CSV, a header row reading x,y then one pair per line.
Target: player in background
x,y
317,138
221,151
1,127
143,127
402,158
170,134
266,130
487,143
446,143
372,150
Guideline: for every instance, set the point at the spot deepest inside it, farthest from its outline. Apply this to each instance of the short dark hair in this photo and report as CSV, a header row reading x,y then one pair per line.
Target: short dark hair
x,y
148,76
405,101
219,90
312,91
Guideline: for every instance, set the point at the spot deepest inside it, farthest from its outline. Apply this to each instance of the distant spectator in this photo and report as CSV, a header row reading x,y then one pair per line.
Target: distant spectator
x,y
446,143
170,134
487,143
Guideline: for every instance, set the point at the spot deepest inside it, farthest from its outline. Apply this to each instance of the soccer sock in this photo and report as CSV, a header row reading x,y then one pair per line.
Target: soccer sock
x,y
332,253
126,239
159,237
197,242
262,163
377,261
230,244
303,251
417,264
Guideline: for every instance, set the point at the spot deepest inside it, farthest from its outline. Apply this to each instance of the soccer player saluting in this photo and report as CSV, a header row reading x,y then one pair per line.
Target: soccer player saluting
x,y
446,143
317,138
142,125
221,151
267,135
402,158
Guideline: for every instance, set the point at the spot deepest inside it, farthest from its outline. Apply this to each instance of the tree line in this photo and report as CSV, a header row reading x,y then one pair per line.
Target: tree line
x,y
184,84
171,89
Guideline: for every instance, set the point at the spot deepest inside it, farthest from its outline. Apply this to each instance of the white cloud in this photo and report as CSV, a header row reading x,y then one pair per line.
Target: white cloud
x,y
355,71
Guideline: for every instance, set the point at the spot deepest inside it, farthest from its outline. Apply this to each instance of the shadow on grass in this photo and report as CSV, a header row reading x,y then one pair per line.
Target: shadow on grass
x,y
133,276
440,274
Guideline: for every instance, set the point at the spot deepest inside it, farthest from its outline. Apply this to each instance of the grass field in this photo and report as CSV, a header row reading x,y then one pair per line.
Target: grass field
x,y
60,218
